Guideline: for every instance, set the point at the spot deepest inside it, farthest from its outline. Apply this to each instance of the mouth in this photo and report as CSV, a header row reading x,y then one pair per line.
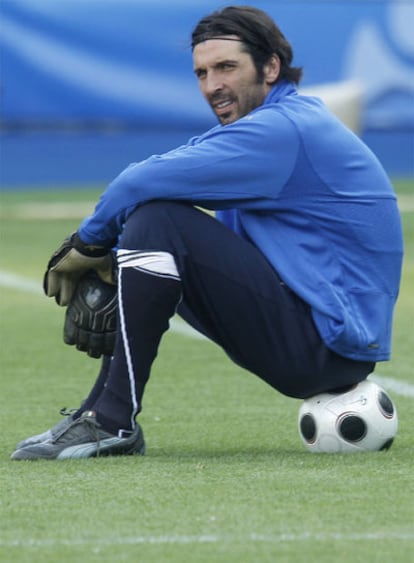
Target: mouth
x,y
223,107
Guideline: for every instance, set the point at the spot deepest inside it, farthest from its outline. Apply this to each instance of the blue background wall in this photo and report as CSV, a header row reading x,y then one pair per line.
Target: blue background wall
x,y
88,86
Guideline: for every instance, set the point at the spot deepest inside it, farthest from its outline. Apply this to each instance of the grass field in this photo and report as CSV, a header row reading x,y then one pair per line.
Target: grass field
x,y
225,478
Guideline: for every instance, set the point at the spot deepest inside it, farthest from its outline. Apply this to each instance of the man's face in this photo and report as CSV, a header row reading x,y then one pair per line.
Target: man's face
x,y
228,79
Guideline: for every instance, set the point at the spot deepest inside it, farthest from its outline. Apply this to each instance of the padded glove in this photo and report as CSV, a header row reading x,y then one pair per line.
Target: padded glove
x,y
70,261
90,320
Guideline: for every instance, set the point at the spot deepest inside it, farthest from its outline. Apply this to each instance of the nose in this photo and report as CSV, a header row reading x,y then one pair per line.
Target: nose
x,y
212,84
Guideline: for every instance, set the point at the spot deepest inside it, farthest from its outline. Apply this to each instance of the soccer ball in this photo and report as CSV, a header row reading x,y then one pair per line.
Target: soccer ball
x,y
362,419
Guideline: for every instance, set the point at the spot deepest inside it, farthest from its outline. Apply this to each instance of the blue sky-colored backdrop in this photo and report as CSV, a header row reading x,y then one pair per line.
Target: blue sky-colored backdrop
x,y
90,85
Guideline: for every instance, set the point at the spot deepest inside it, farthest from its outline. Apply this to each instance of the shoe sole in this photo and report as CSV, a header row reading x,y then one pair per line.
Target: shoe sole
x,y
108,447
113,446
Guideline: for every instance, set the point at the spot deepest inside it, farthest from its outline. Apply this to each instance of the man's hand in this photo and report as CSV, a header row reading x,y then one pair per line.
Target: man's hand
x,y
91,316
70,261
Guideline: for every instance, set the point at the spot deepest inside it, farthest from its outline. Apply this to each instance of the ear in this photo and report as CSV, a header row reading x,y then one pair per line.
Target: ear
x,y
272,69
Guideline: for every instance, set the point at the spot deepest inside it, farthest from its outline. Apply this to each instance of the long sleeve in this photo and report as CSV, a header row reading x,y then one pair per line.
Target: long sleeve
x,y
242,165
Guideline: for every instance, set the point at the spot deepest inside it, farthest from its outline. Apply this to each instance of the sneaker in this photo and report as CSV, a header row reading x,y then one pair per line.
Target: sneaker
x,y
84,438
52,432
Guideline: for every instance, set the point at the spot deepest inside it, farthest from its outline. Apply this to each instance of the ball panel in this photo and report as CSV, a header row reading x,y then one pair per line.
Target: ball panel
x,y
386,445
351,427
308,428
386,405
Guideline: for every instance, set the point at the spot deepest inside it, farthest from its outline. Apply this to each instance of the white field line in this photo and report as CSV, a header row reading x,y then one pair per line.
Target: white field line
x,y
19,283
406,203
399,387
79,210
100,543
50,211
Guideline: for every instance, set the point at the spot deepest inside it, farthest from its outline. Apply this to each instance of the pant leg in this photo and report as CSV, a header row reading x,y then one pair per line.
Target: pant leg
x,y
223,285
233,296
97,388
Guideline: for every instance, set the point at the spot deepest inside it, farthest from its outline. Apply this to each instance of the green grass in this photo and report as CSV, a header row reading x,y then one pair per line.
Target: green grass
x,y
225,477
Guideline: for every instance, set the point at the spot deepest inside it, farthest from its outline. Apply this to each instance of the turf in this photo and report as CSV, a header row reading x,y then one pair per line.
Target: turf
x,y
225,477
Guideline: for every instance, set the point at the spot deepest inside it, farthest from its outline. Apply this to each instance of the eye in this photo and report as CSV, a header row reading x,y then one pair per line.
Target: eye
x,y
200,73
226,65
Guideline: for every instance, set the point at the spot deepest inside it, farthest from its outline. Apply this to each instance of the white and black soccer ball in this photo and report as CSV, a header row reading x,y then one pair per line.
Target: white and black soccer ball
x,y
362,419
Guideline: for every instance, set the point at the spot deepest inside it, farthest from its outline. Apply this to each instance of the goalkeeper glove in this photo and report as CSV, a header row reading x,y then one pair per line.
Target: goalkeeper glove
x,y
70,261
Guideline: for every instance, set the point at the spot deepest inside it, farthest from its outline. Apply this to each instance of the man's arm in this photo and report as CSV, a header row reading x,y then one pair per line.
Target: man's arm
x,y
240,165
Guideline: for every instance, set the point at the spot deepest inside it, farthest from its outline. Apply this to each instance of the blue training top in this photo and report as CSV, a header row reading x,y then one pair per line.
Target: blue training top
x,y
293,180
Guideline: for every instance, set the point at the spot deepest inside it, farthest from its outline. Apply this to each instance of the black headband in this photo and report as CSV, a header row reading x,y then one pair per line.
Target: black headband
x,y
207,36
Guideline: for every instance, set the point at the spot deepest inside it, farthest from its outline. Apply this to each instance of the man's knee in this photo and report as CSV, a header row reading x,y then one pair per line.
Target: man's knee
x,y
154,224
158,209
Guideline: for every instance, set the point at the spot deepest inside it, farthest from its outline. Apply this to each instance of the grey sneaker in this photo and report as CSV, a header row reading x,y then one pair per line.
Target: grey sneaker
x,y
84,438
51,432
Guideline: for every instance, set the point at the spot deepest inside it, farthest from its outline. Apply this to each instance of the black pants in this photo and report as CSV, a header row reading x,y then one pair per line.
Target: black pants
x,y
224,288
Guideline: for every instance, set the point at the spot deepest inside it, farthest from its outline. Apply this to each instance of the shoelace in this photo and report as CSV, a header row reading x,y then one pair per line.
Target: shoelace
x,y
64,411
92,426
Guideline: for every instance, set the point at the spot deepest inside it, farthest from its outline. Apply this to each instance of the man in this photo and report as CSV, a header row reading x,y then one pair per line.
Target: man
x,y
296,280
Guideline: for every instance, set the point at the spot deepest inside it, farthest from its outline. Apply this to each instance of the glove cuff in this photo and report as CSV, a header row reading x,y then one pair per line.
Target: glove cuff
x,y
92,250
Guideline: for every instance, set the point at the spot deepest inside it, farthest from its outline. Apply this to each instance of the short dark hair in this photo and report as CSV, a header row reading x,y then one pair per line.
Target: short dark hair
x,y
259,34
